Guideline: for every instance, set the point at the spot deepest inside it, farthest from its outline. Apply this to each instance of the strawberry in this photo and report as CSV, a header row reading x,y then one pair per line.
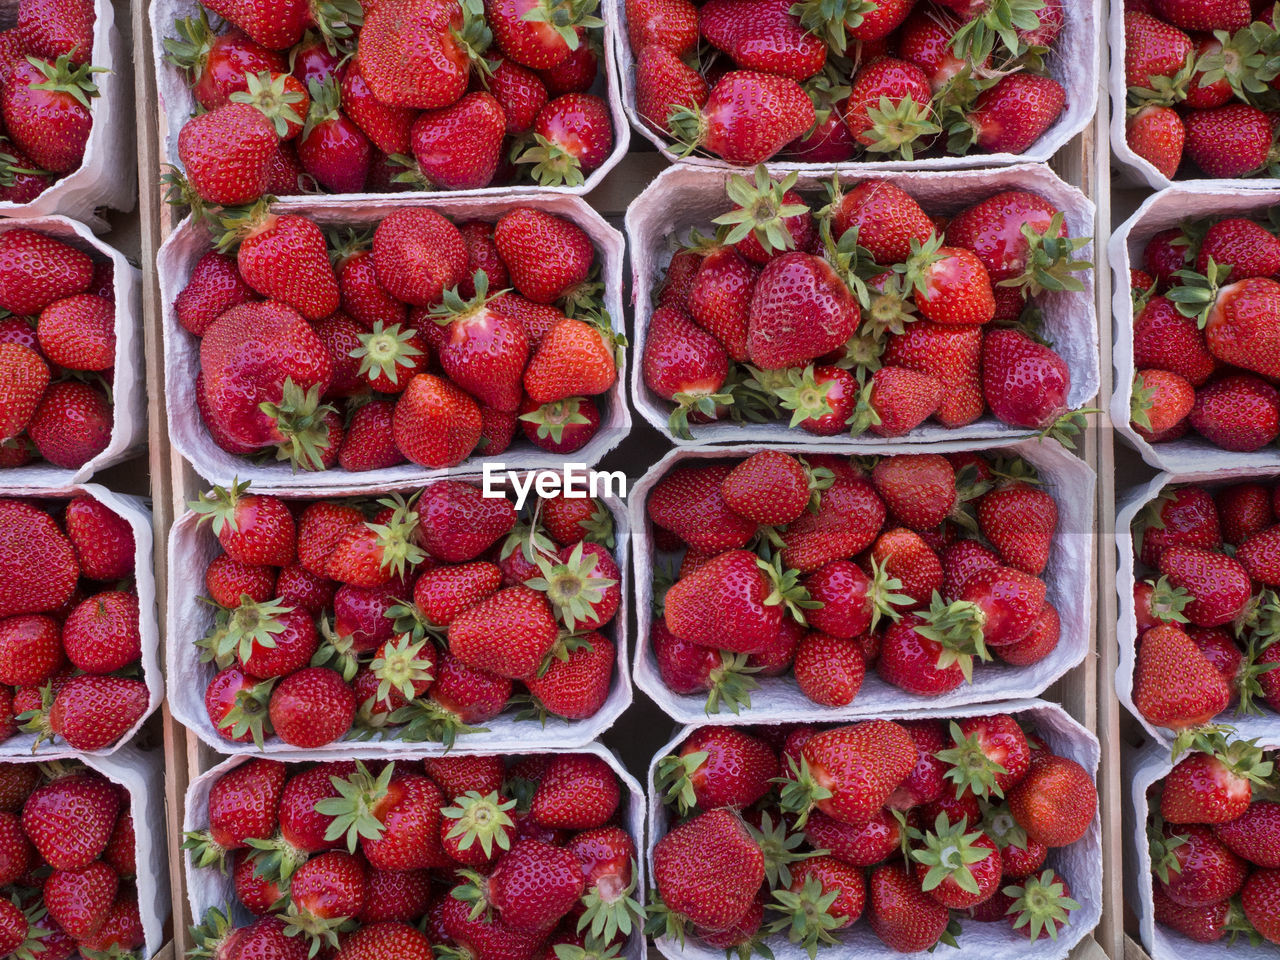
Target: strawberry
x,y
101,633
575,687
890,108
418,254
72,425
417,55
1012,115
849,516
251,528
459,146
720,298
666,87
1237,412
1260,899
1153,49
957,867
717,767
573,136
822,400
47,106
684,364
769,488
1228,141
1252,834
376,940
800,310
91,712
458,523
1180,516
435,423
669,24
326,892
30,650
1024,383
848,772
896,401
885,217
901,914
747,118
918,489
762,35
274,26
507,634
521,93
36,270
1019,520
482,351
1229,15
707,872
332,148
1213,786
215,287
28,537
1056,802
1039,642
691,503
576,792
539,34
227,153
70,818
1244,248
829,670
1218,585
54,28
284,257
79,900
547,255
1196,869
1174,684
952,355
24,376
312,707
79,332
574,358
1160,402
1205,924
1040,905
725,604
688,668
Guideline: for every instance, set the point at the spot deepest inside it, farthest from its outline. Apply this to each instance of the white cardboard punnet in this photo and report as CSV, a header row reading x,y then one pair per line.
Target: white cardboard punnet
x,y
191,438
106,176
208,887
1068,575
1164,210
142,774
1143,767
137,513
1128,506
683,197
1073,62
191,548
1080,864
129,405
177,105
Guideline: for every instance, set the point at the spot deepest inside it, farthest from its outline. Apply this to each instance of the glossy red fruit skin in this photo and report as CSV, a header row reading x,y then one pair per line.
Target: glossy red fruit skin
x,y
1228,141
751,116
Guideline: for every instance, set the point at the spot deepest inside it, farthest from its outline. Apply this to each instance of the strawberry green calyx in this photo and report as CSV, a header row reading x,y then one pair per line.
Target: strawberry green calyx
x,y
915,272
275,858
1161,849
1242,758
853,262
889,310
663,923
864,415
1150,517
1246,61
552,418
397,538
1141,400
474,36
565,645
1001,826
214,931
611,912
250,625
565,16
61,77
806,915
218,506
1168,601
956,627
408,620
37,721
344,244
273,100
475,892
598,528
787,589
1260,618
592,949
424,721
780,849
762,210
831,20
384,350
1248,683
1050,261
352,809
249,714
731,684
571,586
800,792
1041,904
31,947
178,192
708,405
688,127
1164,91
337,20
1196,295
319,932
400,667
803,395
302,422
205,852
947,851
999,22
411,173
481,818
553,165
530,539
819,479
895,127
970,767
336,651
452,305
1068,427
675,780
884,595
190,49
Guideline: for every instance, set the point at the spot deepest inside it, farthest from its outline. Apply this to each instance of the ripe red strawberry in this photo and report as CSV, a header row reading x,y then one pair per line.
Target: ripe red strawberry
x,y
416,54
29,538
101,634
1218,585
23,379
690,502
251,528
332,148
897,400
386,939
1229,15
724,604
1212,787
685,364
886,218
762,35
47,106
459,146
1260,899
719,299
1238,412
215,287
1228,141
903,916
69,819
1019,520
918,489
747,118
312,707
1252,834
573,136
1011,116
717,767
36,270
576,792
1198,870
1024,383
458,523
707,872
436,424
508,634
857,766
575,358
227,153
79,900
577,686
769,487
950,354
800,310
418,255
30,650
521,93
547,255
78,332
889,109
1056,802
1161,401
1174,684
829,670
1153,48
1205,924
665,87
1248,248
850,515
669,24
52,28
92,712
72,425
